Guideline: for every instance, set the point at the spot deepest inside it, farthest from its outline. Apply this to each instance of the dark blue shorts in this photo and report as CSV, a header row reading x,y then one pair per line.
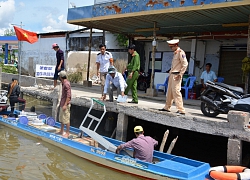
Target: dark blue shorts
x,y
56,73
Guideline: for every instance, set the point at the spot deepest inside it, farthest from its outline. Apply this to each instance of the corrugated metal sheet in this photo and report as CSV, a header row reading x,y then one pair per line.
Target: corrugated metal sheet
x,y
230,66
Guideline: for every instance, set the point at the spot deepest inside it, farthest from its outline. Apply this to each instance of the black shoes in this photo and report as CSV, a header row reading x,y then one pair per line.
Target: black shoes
x,y
133,102
180,113
164,110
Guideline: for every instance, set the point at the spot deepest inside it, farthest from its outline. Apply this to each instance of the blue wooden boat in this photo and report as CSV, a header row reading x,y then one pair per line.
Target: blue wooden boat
x,y
165,166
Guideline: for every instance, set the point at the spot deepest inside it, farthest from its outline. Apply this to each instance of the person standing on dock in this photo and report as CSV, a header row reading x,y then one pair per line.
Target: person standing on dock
x,y
143,145
133,74
104,59
178,68
13,95
64,114
114,82
59,63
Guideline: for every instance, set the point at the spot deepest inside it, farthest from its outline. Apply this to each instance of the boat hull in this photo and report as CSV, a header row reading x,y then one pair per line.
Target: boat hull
x,y
105,158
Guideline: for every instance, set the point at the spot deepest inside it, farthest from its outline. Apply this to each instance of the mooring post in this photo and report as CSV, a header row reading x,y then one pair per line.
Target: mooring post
x,y
122,127
237,120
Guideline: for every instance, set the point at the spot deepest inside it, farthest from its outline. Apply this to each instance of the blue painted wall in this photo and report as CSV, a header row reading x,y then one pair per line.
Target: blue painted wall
x,y
130,6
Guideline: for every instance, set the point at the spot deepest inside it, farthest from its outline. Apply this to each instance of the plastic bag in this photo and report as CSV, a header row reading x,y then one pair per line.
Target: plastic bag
x,y
121,99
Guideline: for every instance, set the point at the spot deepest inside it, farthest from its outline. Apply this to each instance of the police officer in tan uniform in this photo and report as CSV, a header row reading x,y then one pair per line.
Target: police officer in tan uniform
x,y
178,68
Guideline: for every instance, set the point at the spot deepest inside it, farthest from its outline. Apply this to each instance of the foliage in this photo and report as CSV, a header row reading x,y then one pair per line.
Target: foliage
x,y
9,32
122,40
120,65
75,77
8,69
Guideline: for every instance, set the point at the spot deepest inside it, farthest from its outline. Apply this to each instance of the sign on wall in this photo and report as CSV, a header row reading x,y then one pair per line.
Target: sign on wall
x,y
45,70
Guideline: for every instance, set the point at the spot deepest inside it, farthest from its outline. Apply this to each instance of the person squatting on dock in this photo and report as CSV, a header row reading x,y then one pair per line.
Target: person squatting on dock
x,y
114,82
178,68
143,145
13,95
104,59
133,74
64,114
59,63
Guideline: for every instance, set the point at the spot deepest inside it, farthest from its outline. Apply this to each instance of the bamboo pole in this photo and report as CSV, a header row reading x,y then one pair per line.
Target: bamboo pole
x,y
171,147
164,139
113,134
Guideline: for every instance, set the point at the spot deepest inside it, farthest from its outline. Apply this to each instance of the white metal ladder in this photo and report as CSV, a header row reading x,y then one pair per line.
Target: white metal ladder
x,y
93,118
92,133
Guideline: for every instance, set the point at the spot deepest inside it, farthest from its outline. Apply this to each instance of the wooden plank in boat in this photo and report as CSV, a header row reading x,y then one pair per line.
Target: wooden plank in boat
x,y
81,140
44,127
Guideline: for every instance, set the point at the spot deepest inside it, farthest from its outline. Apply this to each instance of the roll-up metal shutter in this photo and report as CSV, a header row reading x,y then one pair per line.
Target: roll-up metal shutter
x,y
230,65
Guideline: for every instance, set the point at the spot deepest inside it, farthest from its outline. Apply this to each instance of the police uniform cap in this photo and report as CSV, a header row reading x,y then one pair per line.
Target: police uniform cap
x,y
138,129
132,46
173,41
62,74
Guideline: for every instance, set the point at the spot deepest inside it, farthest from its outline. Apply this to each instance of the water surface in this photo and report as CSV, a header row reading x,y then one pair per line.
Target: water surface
x,y
23,157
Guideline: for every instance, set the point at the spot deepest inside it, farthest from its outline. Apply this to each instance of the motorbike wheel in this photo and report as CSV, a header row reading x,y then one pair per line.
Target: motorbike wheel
x,y
142,86
207,111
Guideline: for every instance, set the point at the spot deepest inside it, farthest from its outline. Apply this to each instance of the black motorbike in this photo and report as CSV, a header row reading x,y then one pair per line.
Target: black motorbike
x,y
143,81
219,98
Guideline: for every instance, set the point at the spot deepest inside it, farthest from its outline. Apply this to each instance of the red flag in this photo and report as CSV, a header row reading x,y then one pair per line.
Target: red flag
x,y
23,35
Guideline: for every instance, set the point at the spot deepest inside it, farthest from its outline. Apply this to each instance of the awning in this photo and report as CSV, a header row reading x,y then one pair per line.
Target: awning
x,y
206,18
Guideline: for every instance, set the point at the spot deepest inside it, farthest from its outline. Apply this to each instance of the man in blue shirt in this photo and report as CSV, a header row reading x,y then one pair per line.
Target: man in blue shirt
x,y
114,82
206,75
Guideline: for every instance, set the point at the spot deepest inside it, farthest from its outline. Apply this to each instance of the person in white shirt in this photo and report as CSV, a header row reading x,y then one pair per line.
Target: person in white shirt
x,y
206,75
103,61
114,82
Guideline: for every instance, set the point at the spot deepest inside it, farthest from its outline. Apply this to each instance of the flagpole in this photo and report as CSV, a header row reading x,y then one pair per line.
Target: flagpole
x,y
19,55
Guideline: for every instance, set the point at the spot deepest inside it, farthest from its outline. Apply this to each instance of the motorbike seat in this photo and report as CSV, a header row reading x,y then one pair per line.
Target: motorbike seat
x,y
233,88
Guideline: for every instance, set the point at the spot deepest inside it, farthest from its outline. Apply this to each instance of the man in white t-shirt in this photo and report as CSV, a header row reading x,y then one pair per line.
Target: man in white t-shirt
x,y
206,75
103,61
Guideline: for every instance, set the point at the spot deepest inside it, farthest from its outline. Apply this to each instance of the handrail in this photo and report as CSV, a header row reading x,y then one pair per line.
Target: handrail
x,y
97,101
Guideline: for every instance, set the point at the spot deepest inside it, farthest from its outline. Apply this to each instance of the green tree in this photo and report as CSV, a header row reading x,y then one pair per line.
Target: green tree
x,y
122,40
9,32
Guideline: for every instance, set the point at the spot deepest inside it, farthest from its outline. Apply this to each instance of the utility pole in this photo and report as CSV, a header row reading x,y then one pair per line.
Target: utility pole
x,y
151,91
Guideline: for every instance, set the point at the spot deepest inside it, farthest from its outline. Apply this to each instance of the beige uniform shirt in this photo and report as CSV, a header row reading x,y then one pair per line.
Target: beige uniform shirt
x,y
179,62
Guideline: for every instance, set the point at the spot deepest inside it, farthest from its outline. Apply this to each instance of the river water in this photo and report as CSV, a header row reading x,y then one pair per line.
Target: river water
x,y
23,157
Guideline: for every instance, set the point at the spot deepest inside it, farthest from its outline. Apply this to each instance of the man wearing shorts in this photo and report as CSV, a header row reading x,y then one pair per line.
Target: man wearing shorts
x,y
64,114
60,62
